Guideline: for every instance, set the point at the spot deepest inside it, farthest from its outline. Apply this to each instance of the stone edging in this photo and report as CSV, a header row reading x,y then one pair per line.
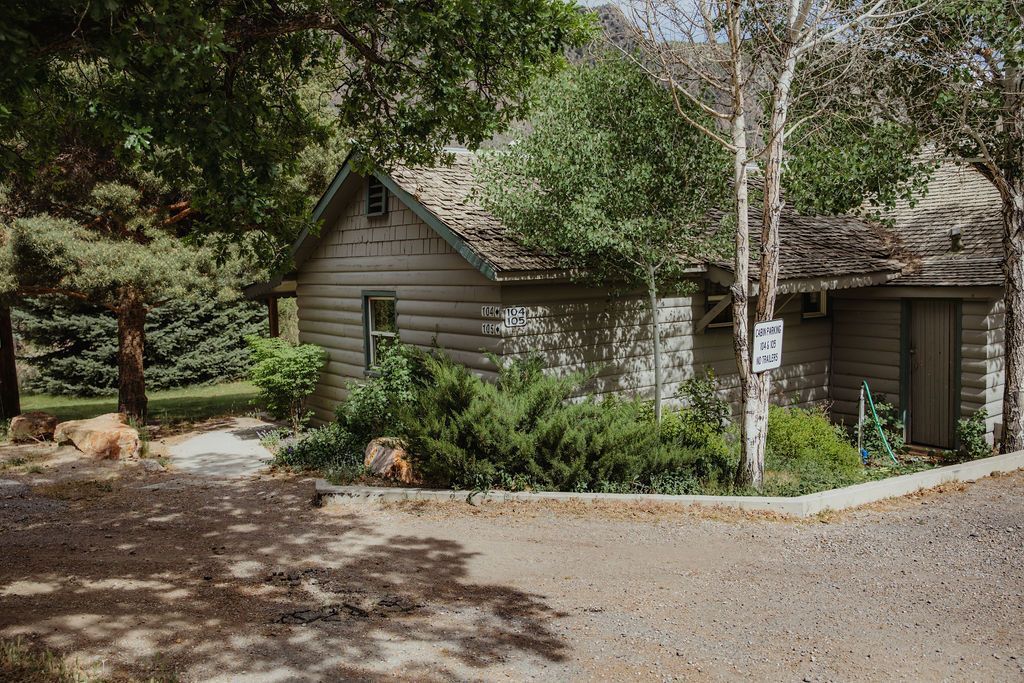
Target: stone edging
x,y
797,506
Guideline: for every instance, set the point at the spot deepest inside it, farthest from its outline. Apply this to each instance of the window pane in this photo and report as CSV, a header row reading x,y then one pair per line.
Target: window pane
x,y
383,315
375,346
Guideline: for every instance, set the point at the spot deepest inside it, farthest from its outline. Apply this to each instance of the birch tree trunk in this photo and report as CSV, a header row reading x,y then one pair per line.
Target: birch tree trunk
x,y
751,467
652,293
131,345
1013,384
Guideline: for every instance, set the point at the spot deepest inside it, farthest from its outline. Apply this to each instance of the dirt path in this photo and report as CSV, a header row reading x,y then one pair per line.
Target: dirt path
x,y
159,574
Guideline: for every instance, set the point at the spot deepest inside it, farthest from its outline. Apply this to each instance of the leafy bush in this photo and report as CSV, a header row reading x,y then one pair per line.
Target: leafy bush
x,y
324,448
807,453
372,407
705,403
970,434
286,374
892,426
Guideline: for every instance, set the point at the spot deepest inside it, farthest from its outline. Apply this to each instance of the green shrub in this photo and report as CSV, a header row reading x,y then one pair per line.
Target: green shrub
x,y
524,430
372,407
892,427
705,403
325,448
286,374
970,435
807,453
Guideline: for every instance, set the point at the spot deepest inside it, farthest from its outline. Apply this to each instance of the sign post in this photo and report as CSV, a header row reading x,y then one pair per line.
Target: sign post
x,y
767,353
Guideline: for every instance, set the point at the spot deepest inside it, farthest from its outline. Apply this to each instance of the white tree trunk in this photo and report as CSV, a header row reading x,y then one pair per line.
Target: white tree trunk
x,y
757,388
652,292
1013,386
751,466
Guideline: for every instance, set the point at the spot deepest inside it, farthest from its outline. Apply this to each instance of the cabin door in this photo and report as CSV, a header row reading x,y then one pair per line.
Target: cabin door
x,y
932,353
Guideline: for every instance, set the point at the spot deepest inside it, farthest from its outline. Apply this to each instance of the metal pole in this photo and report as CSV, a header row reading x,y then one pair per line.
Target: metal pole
x,y
860,420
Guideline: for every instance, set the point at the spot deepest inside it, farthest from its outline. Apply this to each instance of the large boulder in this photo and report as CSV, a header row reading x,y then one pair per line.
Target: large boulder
x,y
32,426
388,458
106,436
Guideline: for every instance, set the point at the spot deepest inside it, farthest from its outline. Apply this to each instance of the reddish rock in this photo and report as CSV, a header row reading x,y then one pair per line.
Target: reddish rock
x,y
33,426
106,436
389,459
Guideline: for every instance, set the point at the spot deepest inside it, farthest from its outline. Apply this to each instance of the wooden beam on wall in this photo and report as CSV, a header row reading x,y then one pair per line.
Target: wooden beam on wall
x,y
714,312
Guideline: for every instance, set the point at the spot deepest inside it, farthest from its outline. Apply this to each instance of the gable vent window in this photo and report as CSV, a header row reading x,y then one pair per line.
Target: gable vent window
x,y
376,198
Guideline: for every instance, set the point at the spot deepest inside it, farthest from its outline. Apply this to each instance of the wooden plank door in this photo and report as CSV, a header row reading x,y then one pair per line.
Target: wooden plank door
x,y
932,354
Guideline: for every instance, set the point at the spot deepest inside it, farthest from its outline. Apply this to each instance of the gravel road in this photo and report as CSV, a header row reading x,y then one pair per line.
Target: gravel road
x,y
159,574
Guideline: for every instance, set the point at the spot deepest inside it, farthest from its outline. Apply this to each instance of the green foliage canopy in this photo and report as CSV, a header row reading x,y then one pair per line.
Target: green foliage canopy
x,y
610,179
211,96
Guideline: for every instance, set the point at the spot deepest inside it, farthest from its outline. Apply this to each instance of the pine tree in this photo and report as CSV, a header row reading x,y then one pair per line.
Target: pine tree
x,y
75,344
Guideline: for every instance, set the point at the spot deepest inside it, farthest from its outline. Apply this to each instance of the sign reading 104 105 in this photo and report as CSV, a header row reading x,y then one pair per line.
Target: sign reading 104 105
x,y
767,346
515,316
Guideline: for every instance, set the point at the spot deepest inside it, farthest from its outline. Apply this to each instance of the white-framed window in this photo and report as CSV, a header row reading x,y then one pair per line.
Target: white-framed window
x,y
714,293
814,304
381,323
376,197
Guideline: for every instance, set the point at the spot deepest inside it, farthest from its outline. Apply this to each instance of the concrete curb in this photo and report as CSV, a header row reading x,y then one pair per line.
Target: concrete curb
x,y
797,506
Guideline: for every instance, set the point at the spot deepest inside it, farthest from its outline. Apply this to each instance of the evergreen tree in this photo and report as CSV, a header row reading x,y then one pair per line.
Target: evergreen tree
x,y
75,344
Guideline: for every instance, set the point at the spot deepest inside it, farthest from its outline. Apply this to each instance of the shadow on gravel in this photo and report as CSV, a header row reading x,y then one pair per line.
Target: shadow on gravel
x,y
249,579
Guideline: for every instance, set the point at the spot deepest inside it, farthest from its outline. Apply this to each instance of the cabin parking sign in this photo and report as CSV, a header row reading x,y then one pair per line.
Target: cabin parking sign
x,y
767,345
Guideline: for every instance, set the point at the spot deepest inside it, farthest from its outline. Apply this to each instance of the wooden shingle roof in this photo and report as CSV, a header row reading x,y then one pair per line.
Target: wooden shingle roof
x,y
446,191
958,197
813,246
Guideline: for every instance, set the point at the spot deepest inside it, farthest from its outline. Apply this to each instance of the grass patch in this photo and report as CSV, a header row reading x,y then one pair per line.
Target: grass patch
x,y
23,662
188,404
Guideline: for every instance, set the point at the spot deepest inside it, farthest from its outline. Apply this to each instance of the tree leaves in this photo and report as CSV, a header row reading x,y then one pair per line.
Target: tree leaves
x,y
610,178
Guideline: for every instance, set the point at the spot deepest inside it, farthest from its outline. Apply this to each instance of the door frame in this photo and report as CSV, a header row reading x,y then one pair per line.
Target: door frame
x,y
906,410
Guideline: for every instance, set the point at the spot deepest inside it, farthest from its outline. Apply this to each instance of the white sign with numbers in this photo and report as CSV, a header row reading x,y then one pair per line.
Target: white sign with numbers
x,y
491,329
515,316
767,353
490,311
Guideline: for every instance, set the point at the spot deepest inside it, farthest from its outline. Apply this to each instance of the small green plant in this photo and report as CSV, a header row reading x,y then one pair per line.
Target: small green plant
x,y
286,375
322,449
705,402
892,427
5,431
970,435
371,408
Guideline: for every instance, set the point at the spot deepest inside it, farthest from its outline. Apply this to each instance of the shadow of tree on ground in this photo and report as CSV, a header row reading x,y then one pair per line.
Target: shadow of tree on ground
x,y
172,574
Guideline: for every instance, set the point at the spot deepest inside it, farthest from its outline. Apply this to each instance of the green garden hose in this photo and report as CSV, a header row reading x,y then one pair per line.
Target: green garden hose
x,y
878,424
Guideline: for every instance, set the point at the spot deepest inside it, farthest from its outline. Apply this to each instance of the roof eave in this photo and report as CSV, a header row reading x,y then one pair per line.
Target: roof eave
x,y
724,277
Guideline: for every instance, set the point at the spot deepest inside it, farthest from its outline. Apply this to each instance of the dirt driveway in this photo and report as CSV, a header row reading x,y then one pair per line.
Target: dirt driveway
x,y
164,574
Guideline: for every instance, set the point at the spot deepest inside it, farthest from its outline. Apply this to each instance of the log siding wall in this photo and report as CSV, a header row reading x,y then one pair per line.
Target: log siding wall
x,y
438,293
575,327
981,383
868,345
